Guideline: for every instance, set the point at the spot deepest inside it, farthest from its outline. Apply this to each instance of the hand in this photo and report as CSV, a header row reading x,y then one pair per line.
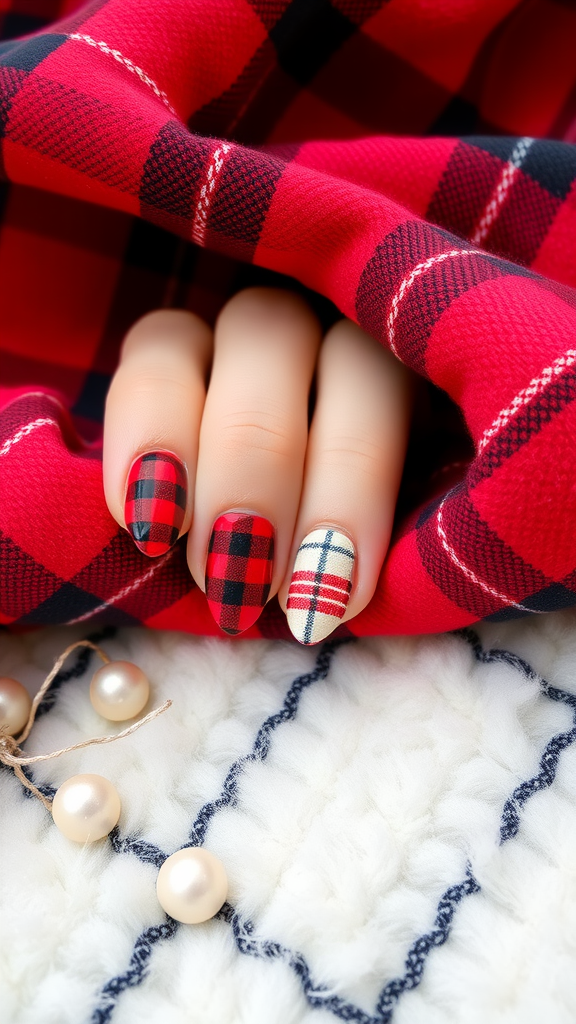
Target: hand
x,y
270,504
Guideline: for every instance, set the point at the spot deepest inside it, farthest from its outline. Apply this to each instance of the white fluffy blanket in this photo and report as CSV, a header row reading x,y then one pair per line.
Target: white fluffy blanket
x,y
397,818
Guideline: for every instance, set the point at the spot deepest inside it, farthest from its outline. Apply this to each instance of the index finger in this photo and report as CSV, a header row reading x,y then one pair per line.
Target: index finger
x,y
152,424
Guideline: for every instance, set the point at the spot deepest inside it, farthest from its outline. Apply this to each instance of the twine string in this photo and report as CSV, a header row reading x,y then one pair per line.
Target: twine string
x,y
39,697
11,753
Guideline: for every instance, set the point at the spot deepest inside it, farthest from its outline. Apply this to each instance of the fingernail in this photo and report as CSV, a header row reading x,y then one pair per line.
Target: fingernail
x,y
320,585
155,502
239,569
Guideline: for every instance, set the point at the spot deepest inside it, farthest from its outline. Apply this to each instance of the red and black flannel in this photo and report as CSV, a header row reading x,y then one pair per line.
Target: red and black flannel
x,y
411,162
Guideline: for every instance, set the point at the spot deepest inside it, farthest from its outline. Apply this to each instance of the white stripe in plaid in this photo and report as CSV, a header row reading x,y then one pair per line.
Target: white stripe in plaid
x,y
320,585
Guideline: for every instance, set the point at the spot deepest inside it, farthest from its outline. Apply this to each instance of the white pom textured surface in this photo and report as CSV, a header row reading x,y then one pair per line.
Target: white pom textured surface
x,y
397,819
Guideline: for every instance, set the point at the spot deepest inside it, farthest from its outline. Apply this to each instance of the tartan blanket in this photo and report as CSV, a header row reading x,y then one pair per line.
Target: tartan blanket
x,y
411,163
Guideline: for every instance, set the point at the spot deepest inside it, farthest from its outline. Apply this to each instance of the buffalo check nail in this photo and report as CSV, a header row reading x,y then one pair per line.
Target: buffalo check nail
x,y
239,569
320,585
155,502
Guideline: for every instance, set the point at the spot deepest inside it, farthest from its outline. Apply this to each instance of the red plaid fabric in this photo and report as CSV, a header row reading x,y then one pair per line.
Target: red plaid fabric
x,y
413,163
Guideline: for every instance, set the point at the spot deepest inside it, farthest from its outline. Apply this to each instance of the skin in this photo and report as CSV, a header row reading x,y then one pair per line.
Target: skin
x,y
245,437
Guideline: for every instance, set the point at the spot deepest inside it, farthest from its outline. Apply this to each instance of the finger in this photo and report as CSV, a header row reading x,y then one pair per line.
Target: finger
x,y
252,449
151,427
353,467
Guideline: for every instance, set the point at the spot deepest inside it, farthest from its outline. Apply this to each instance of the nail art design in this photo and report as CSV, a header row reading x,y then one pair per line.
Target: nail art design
x,y
239,569
155,502
320,585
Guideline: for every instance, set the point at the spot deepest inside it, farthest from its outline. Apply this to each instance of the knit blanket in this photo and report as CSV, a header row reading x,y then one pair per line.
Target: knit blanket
x,y
396,816
411,163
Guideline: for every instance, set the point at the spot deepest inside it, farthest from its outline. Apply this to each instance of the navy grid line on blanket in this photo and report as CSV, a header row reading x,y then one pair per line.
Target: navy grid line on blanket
x,y
510,822
243,931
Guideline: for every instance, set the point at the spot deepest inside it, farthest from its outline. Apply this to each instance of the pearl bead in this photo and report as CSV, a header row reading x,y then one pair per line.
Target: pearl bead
x,y
119,690
192,885
15,704
86,808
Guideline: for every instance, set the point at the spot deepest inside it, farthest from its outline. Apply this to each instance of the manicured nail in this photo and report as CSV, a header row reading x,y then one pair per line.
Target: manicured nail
x,y
155,502
239,569
320,585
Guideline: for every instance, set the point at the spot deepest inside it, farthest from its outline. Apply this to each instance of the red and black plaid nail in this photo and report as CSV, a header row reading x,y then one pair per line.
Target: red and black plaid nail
x,y
155,502
239,569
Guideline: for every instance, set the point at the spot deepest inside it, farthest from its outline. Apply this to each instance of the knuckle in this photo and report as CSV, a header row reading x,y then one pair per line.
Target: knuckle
x,y
358,455
155,380
260,433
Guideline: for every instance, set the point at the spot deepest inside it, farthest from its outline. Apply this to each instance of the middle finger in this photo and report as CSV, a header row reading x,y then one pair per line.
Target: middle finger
x,y
252,449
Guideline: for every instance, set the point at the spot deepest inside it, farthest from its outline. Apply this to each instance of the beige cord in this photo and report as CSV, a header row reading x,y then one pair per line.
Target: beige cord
x,y
11,753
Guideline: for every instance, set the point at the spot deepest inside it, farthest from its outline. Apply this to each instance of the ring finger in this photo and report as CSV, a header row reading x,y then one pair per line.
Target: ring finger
x,y
354,463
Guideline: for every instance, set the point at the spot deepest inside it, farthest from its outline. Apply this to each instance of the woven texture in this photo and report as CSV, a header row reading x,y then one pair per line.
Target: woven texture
x,y
148,147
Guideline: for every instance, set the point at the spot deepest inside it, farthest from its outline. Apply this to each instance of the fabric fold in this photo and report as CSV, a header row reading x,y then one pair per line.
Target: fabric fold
x,y
148,149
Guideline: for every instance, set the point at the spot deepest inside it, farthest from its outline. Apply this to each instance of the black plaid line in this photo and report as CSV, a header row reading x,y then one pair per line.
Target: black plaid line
x,y
172,172
243,195
303,37
461,114
52,136
27,55
151,248
485,553
101,577
24,583
459,117
551,599
11,82
431,294
378,73
267,107
68,602
466,186
550,163
326,548
569,583
220,541
91,398
158,489
4,193
404,247
14,24
306,36
553,165
145,531
325,545
140,530
154,258
233,592
523,426
225,115
240,544
500,146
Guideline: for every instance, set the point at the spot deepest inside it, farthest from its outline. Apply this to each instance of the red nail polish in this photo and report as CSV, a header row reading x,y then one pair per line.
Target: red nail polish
x,y
155,502
239,569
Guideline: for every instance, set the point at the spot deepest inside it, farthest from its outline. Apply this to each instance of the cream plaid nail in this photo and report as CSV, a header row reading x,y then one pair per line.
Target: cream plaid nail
x,y
320,585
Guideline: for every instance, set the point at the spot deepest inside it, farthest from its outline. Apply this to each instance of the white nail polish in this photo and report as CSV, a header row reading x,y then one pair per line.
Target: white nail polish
x,y
320,585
